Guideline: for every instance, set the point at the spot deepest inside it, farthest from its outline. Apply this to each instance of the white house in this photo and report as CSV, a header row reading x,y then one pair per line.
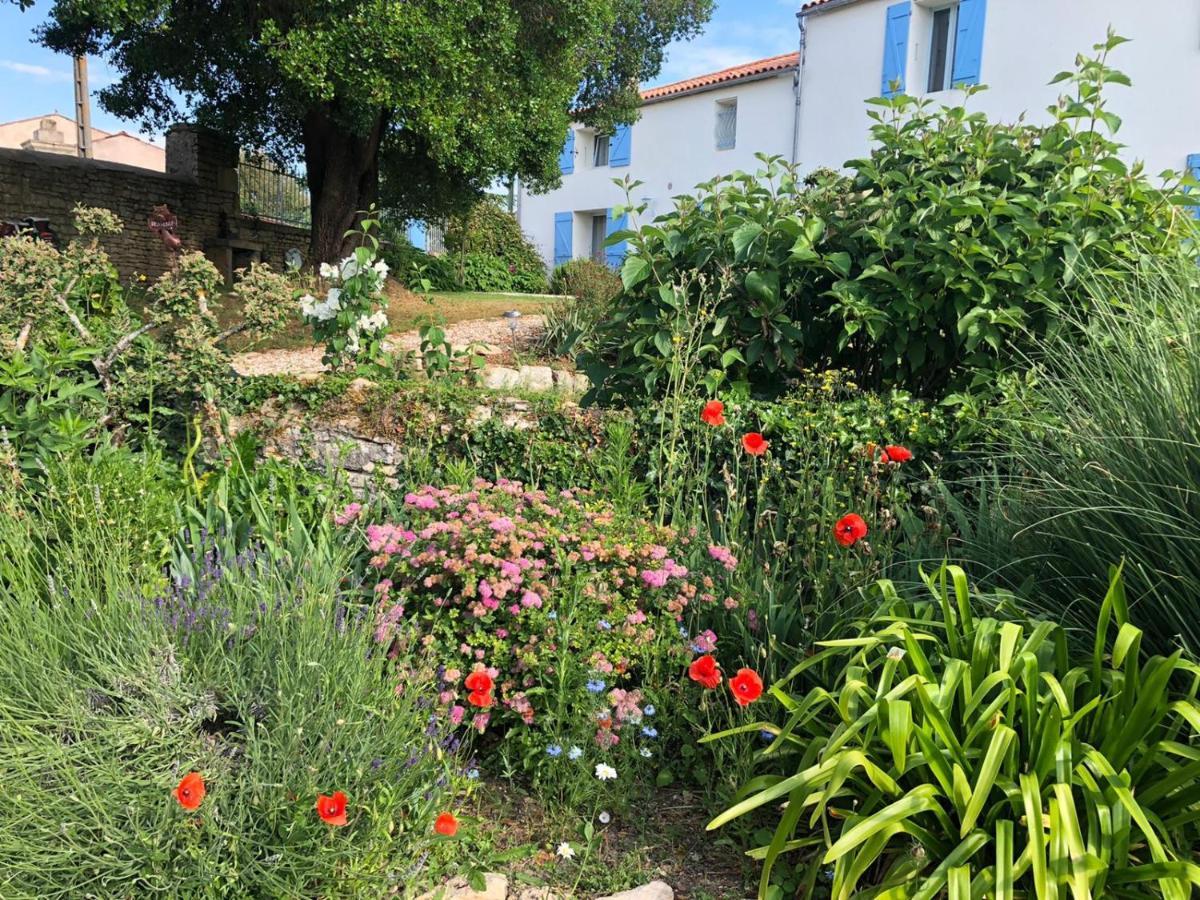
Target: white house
x,y
854,49
809,106
688,132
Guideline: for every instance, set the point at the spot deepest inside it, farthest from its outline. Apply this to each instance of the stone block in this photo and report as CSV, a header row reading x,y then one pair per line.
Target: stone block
x,y
655,890
458,889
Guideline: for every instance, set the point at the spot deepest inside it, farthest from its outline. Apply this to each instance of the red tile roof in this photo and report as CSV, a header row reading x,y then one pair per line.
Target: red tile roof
x,y
779,63
813,4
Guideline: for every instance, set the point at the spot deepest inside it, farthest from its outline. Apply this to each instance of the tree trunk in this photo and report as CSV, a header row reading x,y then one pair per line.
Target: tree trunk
x,y
343,179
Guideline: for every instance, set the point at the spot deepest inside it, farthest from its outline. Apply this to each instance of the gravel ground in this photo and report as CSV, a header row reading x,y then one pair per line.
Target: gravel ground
x,y
492,333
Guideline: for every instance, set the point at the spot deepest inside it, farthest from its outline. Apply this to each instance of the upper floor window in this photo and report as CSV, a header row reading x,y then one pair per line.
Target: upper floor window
x,y
941,49
600,148
726,127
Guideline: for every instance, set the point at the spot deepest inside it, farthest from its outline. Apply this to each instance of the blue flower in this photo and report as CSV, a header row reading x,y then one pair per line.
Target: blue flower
x,y
552,615
574,753
473,774
649,711
682,632
595,686
554,751
604,626
649,732
767,736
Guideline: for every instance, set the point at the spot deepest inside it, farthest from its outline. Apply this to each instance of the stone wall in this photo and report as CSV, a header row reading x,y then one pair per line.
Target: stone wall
x,y
200,187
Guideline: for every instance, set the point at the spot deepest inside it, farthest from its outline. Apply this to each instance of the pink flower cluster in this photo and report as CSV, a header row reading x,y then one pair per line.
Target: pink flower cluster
x,y
482,576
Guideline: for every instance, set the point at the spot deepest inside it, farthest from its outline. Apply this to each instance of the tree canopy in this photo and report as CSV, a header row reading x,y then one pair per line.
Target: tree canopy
x,y
420,104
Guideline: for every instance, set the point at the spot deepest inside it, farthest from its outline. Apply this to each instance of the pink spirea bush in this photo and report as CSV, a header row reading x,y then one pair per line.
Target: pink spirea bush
x,y
545,593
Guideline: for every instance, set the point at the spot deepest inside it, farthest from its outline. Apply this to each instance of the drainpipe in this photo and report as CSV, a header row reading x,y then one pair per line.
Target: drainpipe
x,y
798,88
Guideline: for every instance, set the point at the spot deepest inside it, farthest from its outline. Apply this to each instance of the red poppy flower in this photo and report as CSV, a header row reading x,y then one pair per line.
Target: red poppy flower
x,y
754,444
446,825
190,790
850,529
332,810
897,454
479,681
713,413
746,686
481,699
704,671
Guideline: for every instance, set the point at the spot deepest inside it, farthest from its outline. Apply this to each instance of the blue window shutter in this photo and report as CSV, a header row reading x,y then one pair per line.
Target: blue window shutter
x,y
417,235
620,147
968,42
563,225
614,254
895,49
1193,164
566,159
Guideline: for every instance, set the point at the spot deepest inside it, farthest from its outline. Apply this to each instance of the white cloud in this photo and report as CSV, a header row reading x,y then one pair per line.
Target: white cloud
x,y
726,44
41,73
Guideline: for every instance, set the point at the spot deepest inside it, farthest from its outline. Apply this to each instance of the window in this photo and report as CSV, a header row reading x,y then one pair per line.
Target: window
x,y
600,150
941,49
726,130
599,235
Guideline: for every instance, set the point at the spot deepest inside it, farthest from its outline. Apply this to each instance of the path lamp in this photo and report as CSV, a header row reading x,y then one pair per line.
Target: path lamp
x,y
513,317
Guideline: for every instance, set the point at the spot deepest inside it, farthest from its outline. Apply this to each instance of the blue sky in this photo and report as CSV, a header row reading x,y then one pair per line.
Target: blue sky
x,y
35,81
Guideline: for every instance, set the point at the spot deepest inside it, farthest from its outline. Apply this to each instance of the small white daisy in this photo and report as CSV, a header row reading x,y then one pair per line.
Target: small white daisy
x,y
604,817
605,772
565,851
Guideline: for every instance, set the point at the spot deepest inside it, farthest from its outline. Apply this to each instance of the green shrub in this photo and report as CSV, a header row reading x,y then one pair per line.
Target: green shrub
x,y
588,290
488,229
1103,458
255,673
941,754
954,240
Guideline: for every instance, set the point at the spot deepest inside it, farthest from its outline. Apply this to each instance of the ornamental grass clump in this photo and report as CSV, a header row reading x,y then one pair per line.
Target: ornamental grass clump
x,y
234,740
938,753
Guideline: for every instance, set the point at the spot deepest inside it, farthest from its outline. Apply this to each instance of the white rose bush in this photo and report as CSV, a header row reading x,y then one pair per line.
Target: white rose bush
x,y
351,319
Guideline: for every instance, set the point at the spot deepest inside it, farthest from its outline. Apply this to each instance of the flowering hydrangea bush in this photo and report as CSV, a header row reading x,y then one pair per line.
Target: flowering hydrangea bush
x,y
543,610
351,319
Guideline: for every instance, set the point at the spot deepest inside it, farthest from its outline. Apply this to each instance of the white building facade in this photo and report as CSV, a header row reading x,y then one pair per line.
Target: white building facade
x,y
810,106
854,49
688,132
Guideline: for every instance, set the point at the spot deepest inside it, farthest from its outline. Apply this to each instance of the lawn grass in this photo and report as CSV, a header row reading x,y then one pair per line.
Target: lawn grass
x,y
406,312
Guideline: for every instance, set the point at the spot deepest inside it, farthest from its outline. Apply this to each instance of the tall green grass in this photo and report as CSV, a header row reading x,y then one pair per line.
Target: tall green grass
x,y
257,671
1106,458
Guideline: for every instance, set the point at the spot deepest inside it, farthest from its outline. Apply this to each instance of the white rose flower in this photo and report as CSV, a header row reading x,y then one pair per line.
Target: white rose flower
x,y
352,341
328,271
334,298
381,268
605,772
349,267
307,303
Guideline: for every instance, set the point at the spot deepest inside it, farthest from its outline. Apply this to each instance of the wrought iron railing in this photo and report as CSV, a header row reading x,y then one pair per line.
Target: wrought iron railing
x,y
269,192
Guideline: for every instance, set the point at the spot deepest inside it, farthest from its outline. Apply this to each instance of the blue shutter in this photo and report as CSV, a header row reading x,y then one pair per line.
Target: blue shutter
x,y
417,236
1193,164
620,147
968,43
895,49
566,159
563,225
615,253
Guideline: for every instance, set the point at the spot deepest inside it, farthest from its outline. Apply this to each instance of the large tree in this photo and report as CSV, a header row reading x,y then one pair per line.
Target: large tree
x,y
418,104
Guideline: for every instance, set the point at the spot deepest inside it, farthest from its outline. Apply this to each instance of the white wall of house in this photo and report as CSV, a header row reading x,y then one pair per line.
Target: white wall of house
x,y
1025,43
673,147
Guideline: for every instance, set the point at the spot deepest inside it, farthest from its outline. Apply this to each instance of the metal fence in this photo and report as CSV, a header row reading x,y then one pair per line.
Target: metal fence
x,y
269,192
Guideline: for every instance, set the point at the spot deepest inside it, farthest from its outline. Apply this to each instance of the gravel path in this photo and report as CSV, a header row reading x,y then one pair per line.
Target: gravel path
x,y
492,333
